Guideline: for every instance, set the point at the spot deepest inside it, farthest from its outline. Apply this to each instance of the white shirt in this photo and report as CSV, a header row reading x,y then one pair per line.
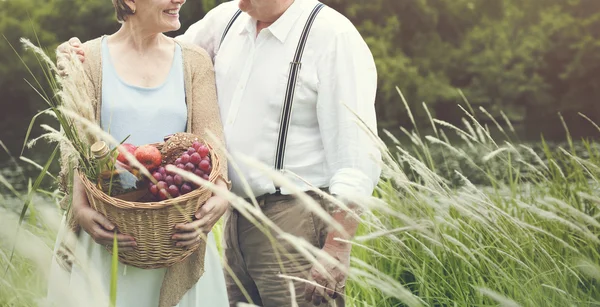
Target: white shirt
x,y
326,146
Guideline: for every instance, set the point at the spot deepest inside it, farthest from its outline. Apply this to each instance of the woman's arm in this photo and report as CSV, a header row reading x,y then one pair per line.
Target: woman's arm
x,y
205,118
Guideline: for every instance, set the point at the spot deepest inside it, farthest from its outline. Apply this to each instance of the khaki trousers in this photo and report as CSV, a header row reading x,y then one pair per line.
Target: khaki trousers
x,y
252,258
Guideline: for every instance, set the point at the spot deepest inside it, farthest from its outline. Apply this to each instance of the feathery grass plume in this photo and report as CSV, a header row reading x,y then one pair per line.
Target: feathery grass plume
x,y
571,211
410,115
456,129
430,119
551,216
472,131
535,156
589,120
494,153
502,300
508,122
480,128
391,136
589,268
484,111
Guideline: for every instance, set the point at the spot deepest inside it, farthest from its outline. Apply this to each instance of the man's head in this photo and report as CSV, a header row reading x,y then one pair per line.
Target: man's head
x,y
158,15
265,10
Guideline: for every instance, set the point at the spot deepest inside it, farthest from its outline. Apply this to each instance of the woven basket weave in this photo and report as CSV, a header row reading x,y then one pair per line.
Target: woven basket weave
x,y
151,223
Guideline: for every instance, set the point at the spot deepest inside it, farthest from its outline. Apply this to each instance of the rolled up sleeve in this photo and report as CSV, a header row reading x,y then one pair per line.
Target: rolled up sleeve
x,y
346,104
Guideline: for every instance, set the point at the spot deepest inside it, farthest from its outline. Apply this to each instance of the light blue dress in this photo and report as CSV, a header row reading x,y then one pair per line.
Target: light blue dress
x,y
146,115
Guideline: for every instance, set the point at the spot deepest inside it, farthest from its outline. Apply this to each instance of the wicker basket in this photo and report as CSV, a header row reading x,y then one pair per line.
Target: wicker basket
x,y
151,223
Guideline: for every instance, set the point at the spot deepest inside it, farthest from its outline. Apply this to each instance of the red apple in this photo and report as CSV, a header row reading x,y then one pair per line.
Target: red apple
x,y
125,147
149,156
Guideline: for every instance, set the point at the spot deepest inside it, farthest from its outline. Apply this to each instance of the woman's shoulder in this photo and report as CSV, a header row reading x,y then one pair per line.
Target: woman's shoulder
x,y
93,45
193,54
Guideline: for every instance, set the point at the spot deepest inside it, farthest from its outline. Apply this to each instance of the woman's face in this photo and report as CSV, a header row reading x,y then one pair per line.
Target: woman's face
x,y
159,15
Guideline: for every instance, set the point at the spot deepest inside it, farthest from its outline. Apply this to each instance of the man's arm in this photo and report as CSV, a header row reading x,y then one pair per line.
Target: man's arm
x,y
346,97
346,103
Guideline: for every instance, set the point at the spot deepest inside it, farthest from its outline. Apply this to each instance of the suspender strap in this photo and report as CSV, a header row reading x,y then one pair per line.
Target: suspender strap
x,y
233,18
286,110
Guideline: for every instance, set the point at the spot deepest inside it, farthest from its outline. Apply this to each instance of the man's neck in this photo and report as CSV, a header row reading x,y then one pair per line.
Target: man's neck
x,y
264,23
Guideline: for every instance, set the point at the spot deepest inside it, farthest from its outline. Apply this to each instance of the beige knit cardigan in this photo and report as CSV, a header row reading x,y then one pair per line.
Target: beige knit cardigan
x,y
203,116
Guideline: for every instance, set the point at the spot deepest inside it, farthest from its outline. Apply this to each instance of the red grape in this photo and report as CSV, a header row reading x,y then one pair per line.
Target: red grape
x,y
191,151
195,145
190,167
162,170
169,180
173,190
163,194
178,161
154,189
205,177
203,150
195,158
204,165
181,166
199,173
177,180
185,158
161,185
158,176
185,188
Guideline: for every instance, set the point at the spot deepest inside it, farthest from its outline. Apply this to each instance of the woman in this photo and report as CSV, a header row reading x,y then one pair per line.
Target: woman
x,y
146,85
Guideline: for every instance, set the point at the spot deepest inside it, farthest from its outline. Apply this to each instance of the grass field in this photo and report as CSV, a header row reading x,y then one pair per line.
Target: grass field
x,y
526,235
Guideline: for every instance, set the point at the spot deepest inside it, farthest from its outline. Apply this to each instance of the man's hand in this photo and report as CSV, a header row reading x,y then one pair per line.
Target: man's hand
x,y
331,282
64,51
101,229
206,217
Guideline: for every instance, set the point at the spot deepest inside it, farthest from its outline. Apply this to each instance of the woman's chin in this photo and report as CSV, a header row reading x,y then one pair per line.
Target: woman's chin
x,y
171,27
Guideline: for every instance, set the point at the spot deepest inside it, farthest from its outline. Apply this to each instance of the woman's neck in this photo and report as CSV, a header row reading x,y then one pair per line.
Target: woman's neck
x,y
137,39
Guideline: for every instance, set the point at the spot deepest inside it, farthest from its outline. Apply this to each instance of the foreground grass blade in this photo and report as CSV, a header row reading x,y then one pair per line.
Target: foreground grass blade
x,y
34,189
114,271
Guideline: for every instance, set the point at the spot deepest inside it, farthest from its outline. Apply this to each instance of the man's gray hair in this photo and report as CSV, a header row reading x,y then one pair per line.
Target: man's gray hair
x,y
122,10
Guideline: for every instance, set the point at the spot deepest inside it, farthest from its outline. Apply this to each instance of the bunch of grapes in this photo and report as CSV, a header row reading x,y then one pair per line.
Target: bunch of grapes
x,y
169,185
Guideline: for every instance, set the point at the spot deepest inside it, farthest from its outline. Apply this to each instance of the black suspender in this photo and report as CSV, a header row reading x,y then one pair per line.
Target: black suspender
x,y
286,111
233,18
295,66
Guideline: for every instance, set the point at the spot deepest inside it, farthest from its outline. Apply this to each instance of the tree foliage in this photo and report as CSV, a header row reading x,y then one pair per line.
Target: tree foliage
x,y
530,59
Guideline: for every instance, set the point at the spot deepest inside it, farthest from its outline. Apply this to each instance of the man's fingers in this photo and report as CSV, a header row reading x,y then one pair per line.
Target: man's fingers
x,y
308,292
205,209
317,296
330,290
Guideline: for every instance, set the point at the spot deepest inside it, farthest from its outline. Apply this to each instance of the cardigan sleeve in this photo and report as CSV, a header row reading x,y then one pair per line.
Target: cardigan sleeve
x,y
205,111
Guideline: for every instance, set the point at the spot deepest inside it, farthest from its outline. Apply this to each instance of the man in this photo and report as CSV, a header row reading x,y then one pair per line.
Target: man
x,y
326,147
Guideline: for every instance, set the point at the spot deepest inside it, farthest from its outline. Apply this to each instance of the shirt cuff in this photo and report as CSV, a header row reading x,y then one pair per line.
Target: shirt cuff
x,y
350,183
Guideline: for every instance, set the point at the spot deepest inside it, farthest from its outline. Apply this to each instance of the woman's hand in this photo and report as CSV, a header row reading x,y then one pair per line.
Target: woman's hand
x,y
101,229
206,217
94,223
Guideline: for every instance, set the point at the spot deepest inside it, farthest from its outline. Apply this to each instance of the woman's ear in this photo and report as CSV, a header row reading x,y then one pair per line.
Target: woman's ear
x,y
131,5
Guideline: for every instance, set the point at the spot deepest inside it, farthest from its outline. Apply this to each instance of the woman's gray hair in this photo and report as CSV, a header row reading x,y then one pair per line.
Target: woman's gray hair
x,y
122,10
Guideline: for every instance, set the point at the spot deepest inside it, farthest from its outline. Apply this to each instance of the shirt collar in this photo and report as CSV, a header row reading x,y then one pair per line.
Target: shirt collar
x,y
283,25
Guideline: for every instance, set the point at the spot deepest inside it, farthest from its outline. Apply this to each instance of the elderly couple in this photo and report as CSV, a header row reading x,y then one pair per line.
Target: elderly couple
x,y
269,107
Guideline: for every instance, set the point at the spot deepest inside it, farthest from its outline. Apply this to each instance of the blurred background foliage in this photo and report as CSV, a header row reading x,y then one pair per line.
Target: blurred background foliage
x,y
530,59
